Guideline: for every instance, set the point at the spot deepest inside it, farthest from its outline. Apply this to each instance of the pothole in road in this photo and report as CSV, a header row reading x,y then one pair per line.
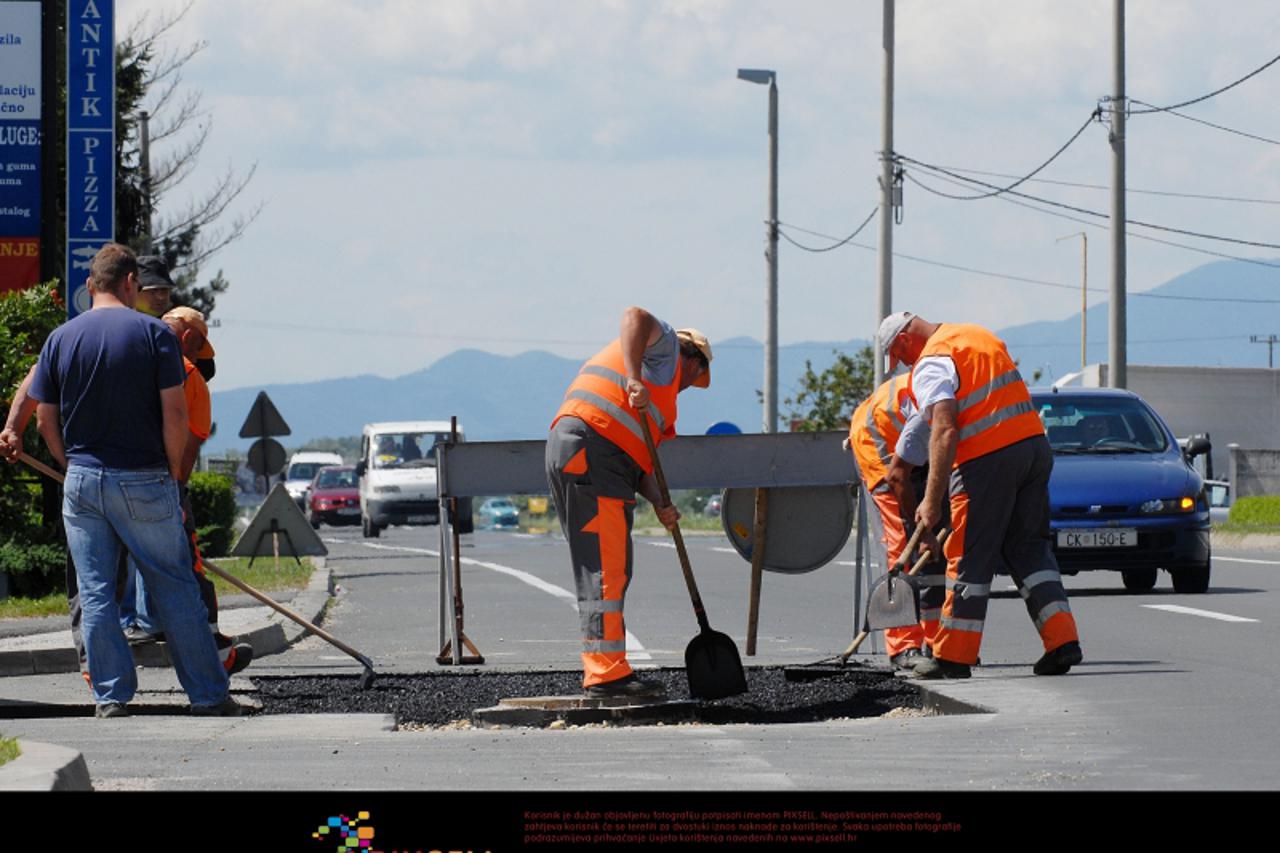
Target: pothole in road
x,y
444,699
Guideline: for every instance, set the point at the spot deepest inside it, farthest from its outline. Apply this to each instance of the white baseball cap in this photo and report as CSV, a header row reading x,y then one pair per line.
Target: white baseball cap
x,y
890,328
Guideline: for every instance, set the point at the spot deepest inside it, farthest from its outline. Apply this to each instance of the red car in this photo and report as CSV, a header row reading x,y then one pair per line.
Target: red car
x,y
334,497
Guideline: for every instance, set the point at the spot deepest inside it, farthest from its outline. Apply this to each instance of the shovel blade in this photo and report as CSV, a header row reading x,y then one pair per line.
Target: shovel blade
x,y
893,602
713,666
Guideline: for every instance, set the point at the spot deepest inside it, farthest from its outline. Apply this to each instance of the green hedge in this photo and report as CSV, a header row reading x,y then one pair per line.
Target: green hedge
x,y
1260,511
34,569
213,500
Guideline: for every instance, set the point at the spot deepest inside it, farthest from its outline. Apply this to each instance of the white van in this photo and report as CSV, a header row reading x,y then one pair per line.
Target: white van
x,y
397,470
302,470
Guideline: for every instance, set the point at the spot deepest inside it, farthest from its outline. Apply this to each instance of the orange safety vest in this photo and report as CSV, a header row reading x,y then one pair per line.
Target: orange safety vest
x,y
598,396
875,427
993,406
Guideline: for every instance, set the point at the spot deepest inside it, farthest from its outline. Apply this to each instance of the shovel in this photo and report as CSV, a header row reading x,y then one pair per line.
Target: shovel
x,y
711,660
891,603
366,678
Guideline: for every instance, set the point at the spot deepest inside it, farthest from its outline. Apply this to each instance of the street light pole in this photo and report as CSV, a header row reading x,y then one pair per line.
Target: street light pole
x,y
1084,291
884,295
763,76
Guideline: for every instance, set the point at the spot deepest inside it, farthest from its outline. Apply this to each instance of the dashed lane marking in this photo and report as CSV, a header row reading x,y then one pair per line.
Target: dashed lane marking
x,y
635,649
1191,611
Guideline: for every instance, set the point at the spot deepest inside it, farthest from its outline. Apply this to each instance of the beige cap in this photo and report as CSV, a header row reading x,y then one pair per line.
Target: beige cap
x,y
700,341
195,320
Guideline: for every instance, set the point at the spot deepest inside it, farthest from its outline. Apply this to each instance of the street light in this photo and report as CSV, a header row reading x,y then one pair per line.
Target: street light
x,y
1084,287
764,76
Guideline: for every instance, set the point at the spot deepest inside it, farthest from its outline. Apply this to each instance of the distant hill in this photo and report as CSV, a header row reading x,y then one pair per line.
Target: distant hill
x,y
507,397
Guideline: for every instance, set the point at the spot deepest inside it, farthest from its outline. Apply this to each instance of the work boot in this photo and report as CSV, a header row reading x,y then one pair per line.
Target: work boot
x,y
226,708
908,660
111,710
935,668
627,687
1060,660
138,637
241,656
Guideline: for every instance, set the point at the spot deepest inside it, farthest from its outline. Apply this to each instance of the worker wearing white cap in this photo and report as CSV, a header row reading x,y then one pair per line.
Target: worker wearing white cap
x,y
989,455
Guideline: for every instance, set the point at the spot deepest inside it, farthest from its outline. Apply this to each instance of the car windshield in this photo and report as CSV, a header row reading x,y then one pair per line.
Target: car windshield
x,y
1096,424
501,504
406,450
303,470
344,478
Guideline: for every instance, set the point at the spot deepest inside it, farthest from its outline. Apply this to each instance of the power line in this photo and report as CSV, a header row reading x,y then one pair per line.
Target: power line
x,y
1253,73
1057,284
1211,124
999,190
1198,196
1169,228
855,233
1134,234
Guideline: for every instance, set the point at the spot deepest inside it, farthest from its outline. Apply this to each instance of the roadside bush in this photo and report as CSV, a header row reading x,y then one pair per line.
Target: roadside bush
x,y
34,569
1259,511
213,501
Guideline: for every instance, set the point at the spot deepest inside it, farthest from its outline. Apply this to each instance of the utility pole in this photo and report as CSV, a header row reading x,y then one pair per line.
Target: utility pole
x,y
884,301
1117,352
1271,341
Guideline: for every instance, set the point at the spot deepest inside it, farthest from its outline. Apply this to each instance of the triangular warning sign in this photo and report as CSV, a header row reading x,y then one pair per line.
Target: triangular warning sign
x,y
264,419
279,524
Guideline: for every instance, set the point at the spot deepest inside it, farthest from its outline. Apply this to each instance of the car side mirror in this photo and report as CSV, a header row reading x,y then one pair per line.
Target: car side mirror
x,y
1197,447
361,467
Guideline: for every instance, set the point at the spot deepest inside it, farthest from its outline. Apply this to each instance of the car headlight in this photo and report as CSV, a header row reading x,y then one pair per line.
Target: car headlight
x,y
386,489
1167,506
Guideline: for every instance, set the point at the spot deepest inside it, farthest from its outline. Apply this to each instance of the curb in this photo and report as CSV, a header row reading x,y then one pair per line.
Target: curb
x,y
45,767
273,636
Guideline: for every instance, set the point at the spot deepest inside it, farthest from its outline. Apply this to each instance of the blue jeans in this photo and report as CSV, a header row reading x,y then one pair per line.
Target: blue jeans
x,y
105,509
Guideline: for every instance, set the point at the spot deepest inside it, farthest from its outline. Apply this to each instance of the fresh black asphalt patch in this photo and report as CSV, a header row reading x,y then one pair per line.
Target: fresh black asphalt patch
x,y
441,699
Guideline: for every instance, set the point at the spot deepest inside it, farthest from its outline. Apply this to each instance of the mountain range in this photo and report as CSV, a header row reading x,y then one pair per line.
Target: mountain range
x,y
497,397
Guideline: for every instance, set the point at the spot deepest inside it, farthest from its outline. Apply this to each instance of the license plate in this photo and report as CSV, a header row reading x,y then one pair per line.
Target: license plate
x,y
1110,537
420,519
354,510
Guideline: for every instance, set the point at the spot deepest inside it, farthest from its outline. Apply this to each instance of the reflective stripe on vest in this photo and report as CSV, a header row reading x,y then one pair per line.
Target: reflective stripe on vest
x,y
598,396
604,646
993,406
875,428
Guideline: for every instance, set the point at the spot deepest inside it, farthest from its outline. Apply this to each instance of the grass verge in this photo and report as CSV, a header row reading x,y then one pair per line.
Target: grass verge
x,y
8,749
262,577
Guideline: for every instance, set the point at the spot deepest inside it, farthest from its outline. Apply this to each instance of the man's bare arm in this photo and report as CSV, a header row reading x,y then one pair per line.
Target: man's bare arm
x,y
942,453
639,331
173,405
49,422
898,477
15,423
190,454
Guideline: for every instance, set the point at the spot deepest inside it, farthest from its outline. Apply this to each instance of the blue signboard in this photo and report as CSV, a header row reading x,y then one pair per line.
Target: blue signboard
x,y
19,145
91,130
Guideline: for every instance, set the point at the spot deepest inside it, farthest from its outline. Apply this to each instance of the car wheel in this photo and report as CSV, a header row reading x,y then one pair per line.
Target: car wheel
x,y
368,528
1140,580
1193,579
314,519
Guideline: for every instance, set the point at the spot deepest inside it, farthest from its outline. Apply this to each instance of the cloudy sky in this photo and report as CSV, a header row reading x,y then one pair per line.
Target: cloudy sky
x,y
510,175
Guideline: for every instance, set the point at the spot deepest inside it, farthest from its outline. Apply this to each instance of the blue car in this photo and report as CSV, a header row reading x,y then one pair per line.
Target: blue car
x,y
1123,495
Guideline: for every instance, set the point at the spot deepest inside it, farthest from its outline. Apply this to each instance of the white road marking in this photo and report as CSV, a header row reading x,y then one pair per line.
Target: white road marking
x,y
725,550
1191,611
1246,560
634,647
662,544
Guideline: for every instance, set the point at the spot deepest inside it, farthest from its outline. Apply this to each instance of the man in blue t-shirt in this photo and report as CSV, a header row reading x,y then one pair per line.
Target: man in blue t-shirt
x,y
112,410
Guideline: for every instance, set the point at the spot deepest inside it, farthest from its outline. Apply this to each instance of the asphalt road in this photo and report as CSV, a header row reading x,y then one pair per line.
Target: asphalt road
x,y
1175,693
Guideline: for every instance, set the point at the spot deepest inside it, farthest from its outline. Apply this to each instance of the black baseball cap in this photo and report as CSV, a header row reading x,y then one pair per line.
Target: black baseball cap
x,y
153,273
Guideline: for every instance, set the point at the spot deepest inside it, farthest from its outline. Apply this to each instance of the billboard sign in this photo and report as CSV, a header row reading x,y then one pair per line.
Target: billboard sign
x,y
20,132
91,126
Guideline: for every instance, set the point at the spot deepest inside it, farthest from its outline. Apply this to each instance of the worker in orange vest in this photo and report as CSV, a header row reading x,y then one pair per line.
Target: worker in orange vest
x,y
890,441
597,461
989,453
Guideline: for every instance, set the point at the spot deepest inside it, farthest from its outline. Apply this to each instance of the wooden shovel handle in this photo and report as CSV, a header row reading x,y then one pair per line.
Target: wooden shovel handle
x,y
675,530
30,460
